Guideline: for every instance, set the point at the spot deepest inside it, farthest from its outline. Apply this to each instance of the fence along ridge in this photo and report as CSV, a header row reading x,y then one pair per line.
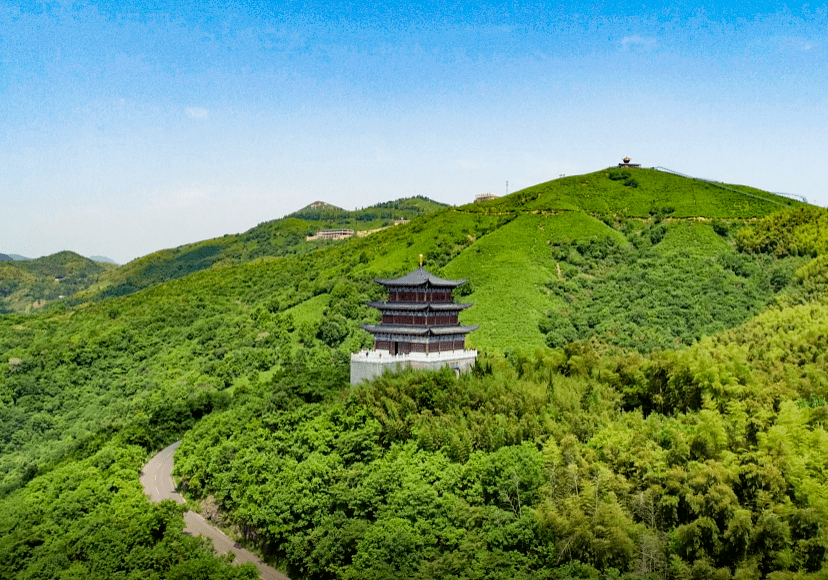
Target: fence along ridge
x,y
720,186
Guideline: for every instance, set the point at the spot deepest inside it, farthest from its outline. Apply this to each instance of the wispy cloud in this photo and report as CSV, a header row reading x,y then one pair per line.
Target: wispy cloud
x,y
798,44
636,41
188,197
197,112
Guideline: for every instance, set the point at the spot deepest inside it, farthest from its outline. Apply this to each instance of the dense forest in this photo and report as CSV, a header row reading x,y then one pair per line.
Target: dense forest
x,y
649,402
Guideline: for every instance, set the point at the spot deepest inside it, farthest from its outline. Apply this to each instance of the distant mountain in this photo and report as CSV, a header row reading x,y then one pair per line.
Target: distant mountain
x,y
27,284
103,259
404,208
18,257
5,258
319,206
281,237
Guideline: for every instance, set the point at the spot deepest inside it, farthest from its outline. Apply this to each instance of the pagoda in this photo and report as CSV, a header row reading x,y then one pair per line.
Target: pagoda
x,y
419,328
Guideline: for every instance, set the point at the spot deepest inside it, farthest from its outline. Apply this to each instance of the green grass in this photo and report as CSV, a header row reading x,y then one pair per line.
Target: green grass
x,y
692,236
510,270
657,191
309,311
662,285
439,237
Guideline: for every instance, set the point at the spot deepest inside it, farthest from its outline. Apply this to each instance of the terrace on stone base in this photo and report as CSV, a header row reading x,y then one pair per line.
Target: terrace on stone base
x,y
419,328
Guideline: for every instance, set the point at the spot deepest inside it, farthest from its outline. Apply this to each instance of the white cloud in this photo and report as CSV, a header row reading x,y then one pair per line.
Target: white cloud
x,y
189,196
795,44
634,41
803,44
197,112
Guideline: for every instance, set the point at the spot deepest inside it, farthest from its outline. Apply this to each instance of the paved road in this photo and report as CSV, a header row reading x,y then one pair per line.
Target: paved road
x,y
156,477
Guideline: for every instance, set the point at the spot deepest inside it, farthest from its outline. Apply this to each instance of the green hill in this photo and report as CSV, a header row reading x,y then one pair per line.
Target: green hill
x,y
377,215
281,237
635,283
646,266
31,283
640,193
652,383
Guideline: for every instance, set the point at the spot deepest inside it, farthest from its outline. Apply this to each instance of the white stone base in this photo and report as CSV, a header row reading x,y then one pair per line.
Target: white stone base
x,y
367,364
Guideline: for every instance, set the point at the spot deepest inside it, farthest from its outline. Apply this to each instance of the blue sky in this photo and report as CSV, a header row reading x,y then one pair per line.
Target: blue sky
x,y
130,127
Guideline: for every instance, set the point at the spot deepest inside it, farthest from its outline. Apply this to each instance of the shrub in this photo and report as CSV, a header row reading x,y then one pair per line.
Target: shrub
x,y
558,329
720,228
657,234
619,175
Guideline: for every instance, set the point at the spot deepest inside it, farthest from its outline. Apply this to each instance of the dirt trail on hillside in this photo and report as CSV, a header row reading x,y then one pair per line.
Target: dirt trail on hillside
x,y
156,477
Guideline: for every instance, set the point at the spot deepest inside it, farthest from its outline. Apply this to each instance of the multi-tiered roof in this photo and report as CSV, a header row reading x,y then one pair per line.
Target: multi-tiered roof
x,y
419,315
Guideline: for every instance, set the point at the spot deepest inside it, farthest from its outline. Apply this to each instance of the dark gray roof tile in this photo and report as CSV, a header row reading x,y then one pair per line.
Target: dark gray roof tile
x,y
418,330
421,277
450,306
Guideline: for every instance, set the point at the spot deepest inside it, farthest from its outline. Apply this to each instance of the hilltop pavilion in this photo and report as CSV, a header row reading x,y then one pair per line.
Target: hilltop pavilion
x,y
419,328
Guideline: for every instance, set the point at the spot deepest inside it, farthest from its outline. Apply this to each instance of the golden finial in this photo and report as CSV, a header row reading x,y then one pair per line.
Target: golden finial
x,y
421,260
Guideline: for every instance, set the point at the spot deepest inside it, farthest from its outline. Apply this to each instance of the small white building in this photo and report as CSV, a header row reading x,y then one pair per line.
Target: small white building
x,y
331,235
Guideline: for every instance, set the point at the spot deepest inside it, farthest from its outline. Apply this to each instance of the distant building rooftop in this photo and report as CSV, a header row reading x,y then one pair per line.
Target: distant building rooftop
x,y
421,277
626,163
485,197
331,235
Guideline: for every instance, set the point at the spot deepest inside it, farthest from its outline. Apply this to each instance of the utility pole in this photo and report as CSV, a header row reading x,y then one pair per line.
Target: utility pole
x,y
507,188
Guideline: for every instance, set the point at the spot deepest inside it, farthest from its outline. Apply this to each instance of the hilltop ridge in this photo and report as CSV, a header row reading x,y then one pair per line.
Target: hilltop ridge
x,y
319,206
280,237
28,284
620,193
640,193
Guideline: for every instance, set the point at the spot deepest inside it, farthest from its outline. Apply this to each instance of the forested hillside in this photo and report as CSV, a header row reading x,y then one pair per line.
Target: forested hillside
x,y
29,284
281,237
649,403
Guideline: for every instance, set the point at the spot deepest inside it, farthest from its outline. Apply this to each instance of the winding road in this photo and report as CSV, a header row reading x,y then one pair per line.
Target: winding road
x,y
156,477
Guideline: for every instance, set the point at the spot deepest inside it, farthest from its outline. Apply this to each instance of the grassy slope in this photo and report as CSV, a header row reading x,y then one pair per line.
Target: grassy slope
x,y
668,295
310,311
510,268
596,193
